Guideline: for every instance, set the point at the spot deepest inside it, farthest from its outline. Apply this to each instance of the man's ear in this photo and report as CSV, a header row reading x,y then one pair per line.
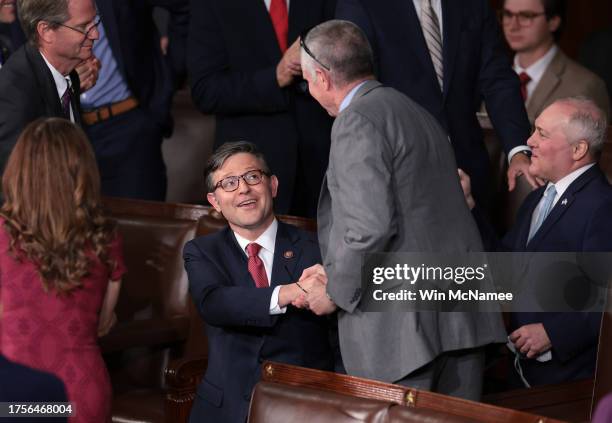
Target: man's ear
x,y
274,185
554,23
45,33
323,78
579,150
213,201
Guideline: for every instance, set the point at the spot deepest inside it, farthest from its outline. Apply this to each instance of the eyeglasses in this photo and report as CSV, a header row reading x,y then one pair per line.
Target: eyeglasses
x,y
307,50
524,19
85,31
231,183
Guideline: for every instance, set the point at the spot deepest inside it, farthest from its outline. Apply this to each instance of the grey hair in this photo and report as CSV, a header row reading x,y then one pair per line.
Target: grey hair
x,y
343,47
226,151
587,122
31,12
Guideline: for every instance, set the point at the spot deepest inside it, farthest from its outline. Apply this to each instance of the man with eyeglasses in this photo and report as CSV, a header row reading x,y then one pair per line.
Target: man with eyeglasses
x,y
127,114
531,28
244,68
40,79
391,186
243,279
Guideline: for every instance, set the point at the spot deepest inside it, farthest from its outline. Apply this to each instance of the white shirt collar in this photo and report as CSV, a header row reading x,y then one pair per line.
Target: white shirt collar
x,y
61,81
536,70
349,97
267,239
562,184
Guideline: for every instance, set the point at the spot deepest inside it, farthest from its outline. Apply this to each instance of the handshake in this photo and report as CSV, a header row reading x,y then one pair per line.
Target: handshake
x,y
308,292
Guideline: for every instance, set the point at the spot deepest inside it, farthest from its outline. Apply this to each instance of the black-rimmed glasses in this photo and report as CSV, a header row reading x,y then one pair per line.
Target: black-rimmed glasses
x,y
524,19
307,50
231,183
85,31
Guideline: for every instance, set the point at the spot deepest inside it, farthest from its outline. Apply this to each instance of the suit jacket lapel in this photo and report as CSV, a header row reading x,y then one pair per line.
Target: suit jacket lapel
x,y
44,78
236,260
287,255
563,204
551,78
451,12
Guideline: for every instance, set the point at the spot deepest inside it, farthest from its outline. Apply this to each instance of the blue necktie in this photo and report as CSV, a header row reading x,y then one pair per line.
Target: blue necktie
x,y
546,206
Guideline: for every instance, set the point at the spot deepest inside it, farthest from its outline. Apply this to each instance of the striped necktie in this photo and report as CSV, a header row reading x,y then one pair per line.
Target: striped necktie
x,y
431,30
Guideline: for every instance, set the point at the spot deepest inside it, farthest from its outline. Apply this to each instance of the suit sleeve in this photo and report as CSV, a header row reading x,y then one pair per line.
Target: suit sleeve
x,y
14,116
219,302
216,85
499,86
362,203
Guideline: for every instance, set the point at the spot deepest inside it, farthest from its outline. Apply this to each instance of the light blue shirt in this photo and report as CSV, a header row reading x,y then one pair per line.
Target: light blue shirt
x,y
110,87
349,97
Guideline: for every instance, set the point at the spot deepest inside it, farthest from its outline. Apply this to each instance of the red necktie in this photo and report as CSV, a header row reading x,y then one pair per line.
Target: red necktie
x,y
524,78
256,266
280,21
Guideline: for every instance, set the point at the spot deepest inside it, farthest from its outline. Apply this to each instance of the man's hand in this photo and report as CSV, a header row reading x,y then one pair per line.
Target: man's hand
x,y
314,275
519,165
88,71
317,269
318,301
289,67
531,339
466,186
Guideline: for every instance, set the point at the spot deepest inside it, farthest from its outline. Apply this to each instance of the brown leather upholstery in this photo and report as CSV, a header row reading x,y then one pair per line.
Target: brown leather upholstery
x,y
278,403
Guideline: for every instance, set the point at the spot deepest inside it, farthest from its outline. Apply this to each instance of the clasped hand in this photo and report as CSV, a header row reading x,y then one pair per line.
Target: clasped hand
x,y
314,282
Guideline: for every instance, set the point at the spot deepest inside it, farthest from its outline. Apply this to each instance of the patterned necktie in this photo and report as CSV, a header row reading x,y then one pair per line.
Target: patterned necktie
x,y
524,78
431,30
280,21
256,266
66,102
546,206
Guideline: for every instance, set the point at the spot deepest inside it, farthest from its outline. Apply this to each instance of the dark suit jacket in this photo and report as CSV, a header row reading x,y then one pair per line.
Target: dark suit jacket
x,y
11,38
241,332
475,66
582,224
28,92
233,54
134,40
20,384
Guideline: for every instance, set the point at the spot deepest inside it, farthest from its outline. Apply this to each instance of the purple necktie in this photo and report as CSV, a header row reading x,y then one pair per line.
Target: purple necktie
x,y
66,102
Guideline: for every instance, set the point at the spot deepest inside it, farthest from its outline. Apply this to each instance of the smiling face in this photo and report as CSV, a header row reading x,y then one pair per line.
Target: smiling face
x,y
248,209
553,157
8,11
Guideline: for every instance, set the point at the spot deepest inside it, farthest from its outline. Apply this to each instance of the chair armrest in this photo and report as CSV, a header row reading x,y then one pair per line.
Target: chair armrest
x,y
182,378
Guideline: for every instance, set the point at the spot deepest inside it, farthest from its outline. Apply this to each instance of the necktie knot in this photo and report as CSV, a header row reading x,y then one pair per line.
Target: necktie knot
x,y
253,249
524,78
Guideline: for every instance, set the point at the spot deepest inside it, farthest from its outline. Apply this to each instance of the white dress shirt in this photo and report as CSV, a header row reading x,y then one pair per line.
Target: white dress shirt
x,y
535,70
61,83
560,186
267,240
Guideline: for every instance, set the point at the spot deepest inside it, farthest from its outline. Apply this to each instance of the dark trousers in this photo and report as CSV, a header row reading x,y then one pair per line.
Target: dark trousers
x,y
128,152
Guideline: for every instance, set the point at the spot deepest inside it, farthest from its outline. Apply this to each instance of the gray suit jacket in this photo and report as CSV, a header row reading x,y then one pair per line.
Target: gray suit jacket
x,y
565,78
392,185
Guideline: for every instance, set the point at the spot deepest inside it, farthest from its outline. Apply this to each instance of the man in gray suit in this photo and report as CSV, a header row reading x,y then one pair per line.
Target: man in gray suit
x,y
391,185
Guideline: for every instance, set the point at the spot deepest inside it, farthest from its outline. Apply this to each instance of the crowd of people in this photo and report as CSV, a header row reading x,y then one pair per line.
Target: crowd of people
x,y
359,113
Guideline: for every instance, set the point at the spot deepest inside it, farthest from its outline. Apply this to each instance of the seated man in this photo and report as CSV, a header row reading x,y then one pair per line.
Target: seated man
x,y
573,212
240,280
531,28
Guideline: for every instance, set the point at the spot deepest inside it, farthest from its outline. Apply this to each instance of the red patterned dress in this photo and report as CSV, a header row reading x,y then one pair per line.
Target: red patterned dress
x,y
58,333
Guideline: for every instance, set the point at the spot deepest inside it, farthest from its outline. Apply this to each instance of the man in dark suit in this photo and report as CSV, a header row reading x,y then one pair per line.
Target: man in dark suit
x,y
8,17
244,68
19,384
127,114
40,78
240,280
447,56
573,212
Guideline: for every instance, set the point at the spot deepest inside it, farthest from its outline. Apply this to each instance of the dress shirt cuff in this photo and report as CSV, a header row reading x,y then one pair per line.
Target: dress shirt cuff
x,y
517,149
274,308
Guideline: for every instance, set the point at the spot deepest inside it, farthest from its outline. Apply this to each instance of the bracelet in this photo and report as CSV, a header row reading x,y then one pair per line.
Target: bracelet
x,y
300,286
